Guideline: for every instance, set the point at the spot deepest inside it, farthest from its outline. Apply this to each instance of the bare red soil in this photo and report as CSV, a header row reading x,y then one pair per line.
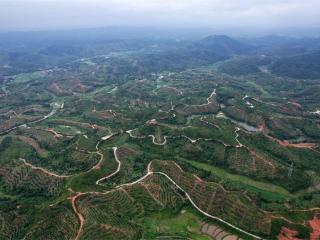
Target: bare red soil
x,y
216,232
297,105
296,145
315,225
262,126
55,134
285,143
288,234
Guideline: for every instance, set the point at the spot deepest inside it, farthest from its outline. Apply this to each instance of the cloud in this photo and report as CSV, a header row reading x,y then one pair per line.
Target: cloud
x,y
51,14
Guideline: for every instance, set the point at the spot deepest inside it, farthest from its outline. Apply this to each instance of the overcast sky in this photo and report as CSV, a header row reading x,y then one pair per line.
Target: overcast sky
x,y
58,14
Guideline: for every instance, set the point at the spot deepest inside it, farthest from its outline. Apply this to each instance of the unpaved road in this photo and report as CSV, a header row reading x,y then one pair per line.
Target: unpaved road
x,y
149,172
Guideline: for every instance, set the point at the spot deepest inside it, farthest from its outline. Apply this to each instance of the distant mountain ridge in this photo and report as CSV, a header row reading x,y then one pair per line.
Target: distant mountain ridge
x,y
224,45
305,66
205,51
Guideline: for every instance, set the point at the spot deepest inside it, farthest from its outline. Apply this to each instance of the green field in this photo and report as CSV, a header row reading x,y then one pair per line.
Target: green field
x,y
266,189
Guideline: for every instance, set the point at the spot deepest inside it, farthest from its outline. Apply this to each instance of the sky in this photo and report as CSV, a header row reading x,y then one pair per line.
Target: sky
x,y
245,14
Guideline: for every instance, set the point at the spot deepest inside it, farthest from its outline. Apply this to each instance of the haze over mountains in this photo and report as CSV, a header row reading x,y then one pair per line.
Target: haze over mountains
x,y
164,51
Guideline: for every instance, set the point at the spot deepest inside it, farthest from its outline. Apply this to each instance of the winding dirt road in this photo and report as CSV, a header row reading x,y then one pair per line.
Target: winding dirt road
x,y
116,171
205,213
25,124
167,137
43,170
80,216
149,173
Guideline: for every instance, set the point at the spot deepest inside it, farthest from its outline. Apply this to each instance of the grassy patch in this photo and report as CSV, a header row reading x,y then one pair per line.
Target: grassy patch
x,y
27,77
259,88
266,189
167,224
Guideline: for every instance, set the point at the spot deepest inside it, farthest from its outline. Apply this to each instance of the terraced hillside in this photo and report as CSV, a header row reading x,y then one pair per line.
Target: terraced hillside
x,y
127,145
